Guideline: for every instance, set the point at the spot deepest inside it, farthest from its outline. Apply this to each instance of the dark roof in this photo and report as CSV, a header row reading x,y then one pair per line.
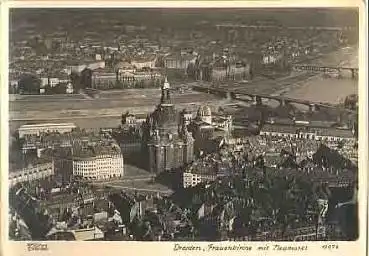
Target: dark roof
x,y
320,131
279,128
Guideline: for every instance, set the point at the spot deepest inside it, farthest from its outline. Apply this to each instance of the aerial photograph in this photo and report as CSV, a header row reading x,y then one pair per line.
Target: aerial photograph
x,y
183,124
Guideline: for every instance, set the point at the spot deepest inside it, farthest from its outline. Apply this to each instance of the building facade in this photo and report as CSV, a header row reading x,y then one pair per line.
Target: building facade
x,y
140,63
137,76
100,167
179,62
103,79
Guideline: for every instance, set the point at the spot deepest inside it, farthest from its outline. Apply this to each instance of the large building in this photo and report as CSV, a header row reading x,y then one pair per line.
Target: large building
x,y
78,153
130,75
144,62
303,132
192,179
179,61
207,128
31,173
78,68
37,129
103,78
222,69
98,162
205,170
167,142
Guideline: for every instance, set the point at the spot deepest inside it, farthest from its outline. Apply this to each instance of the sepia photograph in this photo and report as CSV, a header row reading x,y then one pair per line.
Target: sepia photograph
x,y
183,124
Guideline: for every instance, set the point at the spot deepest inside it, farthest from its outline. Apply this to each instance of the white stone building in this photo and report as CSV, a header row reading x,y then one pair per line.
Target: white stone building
x,y
99,166
192,179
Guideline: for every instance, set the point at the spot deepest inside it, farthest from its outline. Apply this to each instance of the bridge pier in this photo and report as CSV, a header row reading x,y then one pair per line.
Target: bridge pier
x,y
283,102
257,100
228,96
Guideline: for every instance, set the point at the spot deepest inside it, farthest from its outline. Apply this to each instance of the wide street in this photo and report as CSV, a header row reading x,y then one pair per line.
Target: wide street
x,y
134,185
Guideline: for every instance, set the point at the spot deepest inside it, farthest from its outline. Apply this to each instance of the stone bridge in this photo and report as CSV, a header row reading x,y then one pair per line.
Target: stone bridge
x,y
257,99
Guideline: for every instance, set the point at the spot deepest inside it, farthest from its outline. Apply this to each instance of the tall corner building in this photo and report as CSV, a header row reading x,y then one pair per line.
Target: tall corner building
x,y
167,142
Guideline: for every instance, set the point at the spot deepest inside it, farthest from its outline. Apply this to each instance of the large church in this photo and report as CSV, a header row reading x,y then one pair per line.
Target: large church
x,y
166,140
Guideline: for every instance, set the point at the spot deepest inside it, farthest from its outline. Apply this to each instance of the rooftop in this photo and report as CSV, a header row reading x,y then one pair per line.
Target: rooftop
x,y
46,125
326,131
279,128
100,149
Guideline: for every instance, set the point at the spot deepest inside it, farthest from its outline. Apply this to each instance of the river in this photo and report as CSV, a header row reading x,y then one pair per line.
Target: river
x,y
329,90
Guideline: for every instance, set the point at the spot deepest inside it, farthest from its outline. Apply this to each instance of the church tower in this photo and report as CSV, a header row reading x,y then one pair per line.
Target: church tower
x,y
165,94
168,145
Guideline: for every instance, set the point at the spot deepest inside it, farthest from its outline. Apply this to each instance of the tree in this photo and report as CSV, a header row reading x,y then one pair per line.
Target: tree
x,y
75,80
191,70
350,101
29,84
86,78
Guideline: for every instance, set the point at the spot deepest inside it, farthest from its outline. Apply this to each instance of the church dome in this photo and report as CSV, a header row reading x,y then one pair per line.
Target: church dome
x,y
204,111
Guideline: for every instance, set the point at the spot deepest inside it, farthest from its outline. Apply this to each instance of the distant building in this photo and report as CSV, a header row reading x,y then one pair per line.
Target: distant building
x,y
98,162
57,140
52,80
219,74
142,75
31,173
132,120
271,57
37,129
204,170
103,79
78,68
124,67
144,62
69,89
328,134
137,76
44,82
187,117
206,128
222,69
179,61
192,179
167,142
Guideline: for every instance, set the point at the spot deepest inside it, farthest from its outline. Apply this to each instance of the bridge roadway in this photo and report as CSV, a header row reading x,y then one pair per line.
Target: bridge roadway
x,y
257,98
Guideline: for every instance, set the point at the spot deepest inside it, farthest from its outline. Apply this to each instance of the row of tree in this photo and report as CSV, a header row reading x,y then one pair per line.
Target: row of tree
x,y
31,84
